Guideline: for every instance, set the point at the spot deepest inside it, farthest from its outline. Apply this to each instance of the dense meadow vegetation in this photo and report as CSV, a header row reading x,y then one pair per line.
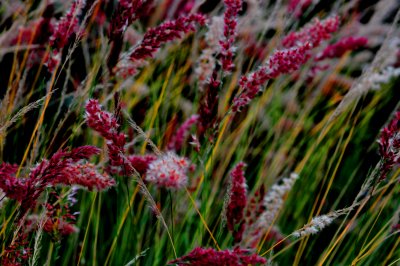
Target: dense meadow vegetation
x,y
199,132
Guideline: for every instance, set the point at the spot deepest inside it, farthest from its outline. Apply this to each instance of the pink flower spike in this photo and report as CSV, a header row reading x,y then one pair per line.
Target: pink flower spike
x,y
389,146
232,9
85,175
281,62
168,31
342,46
141,162
237,202
313,33
169,171
66,26
107,126
180,135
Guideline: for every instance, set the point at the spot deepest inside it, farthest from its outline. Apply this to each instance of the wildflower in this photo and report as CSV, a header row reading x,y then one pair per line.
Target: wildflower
x,y
18,252
237,202
313,33
232,9
47,172
168,31
180,135
281,62
13,188
208,256
85,175
107,126
343,45
169,171
299,45
141,163
66,26
389,146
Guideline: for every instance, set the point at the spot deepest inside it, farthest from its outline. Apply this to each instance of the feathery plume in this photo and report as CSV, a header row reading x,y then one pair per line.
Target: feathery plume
x,y
106,124
272,202
168,31
232,9
169,171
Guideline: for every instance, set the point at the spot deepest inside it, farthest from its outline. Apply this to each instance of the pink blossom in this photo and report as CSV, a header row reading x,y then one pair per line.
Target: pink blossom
x,y
85,175
237,202
343,45
281,62
389,146
107,126
168,31
18,252
180,135
48,172
313,33
169,171
66,26
232,9
208,256
299,45
141,162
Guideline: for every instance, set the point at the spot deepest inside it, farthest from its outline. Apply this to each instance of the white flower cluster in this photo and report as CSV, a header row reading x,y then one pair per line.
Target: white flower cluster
x,y
375,80
206,61
273,201
316,225
169,171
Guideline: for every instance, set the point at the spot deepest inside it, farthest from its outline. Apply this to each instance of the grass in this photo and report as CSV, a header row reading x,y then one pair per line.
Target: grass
x,y
321,128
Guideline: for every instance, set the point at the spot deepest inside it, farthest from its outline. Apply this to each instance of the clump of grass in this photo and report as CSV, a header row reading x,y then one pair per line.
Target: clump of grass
x,y
208,109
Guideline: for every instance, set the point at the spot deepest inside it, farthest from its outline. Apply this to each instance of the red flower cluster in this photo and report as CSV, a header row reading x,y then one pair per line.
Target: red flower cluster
x,y
343,45
107,126
180,135
66,26
141,162
389,146
18,252
237,202
232,9
313,33
281,62
286,61
50,172
87,176
168,31
208,256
